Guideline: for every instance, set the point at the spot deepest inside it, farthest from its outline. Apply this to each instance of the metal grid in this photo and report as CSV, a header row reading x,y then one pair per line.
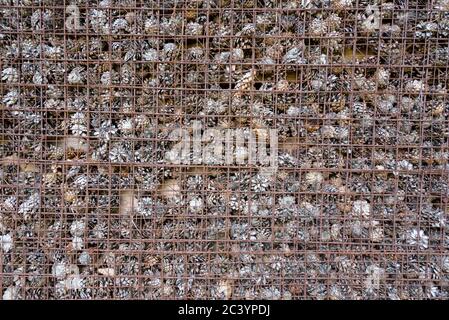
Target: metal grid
x,y
357,91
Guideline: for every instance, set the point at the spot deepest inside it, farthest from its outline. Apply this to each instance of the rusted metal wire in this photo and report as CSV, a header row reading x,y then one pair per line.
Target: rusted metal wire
x,y
94,206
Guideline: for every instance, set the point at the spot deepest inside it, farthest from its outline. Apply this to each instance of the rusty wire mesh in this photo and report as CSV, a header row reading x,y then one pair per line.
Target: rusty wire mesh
x,y
357,91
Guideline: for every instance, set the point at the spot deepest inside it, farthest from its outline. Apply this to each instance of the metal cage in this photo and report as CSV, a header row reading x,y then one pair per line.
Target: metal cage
x,y
93,207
